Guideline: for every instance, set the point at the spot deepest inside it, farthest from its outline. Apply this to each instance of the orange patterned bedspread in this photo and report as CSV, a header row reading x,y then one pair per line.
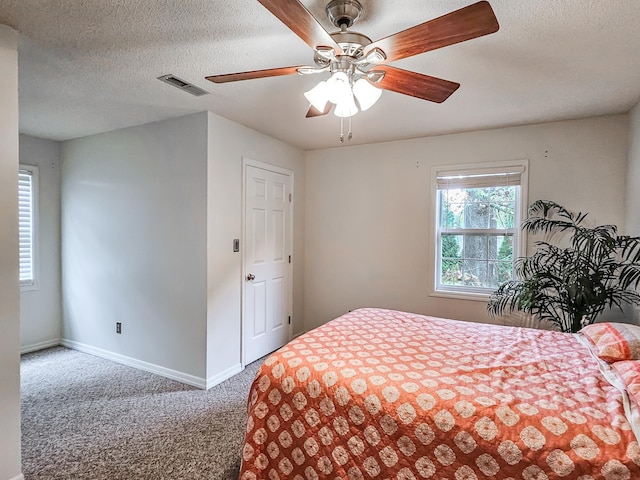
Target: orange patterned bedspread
x,y
391,395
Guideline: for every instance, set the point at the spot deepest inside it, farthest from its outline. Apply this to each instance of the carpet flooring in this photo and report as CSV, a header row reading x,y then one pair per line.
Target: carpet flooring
x,y
84,417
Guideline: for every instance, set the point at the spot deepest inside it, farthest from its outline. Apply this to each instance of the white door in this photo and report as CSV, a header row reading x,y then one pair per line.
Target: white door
x,y
266,267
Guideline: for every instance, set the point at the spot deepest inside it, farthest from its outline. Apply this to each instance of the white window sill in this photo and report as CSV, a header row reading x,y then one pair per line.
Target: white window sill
x,y
478,297
29,288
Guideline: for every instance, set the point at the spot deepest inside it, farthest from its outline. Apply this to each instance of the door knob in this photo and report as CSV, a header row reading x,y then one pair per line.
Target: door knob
x,y
250,277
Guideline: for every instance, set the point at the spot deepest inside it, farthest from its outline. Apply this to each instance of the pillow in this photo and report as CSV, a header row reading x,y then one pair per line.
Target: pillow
x,y
629,372
614,341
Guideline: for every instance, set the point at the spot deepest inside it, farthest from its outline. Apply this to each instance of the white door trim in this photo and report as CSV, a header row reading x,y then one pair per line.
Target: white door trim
x,y
270,168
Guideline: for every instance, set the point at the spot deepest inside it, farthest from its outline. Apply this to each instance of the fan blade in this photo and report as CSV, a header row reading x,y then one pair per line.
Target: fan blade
x,y
314,112
295,16
415,84
465,24
271,72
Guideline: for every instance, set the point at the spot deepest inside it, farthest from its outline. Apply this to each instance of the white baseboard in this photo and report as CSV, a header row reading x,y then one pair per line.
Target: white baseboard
x,y
224,375
39,346
20,477
134,362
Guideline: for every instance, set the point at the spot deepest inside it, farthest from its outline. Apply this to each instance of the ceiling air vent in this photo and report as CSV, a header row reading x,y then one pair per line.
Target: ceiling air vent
x,y
182,85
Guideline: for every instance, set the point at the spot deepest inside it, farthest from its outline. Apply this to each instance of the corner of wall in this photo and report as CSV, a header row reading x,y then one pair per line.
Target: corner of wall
x,y
40,309
10,453
632,187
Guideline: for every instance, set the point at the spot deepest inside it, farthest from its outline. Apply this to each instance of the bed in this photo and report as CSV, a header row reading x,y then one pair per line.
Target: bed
x,y
385,394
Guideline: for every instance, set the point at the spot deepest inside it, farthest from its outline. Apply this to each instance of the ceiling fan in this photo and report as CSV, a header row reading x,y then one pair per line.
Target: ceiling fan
x,y
357,65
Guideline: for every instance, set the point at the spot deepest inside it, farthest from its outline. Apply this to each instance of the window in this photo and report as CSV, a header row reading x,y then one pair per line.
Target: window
x,y
478,237
27,203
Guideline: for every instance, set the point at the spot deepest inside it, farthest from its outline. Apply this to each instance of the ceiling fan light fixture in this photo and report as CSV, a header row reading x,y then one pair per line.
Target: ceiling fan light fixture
x,y
318,96
339,88
346,108
366,94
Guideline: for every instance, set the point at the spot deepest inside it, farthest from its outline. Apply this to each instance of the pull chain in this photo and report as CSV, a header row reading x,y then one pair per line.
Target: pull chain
x,y
349,133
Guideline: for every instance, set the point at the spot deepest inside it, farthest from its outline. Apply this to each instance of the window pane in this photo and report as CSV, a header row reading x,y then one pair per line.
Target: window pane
x,y
503,215
451,264
505,272
492,274
452,208
451,273
474,273
492,207
503,194
452,246
503,249
475,246
498,273
477,213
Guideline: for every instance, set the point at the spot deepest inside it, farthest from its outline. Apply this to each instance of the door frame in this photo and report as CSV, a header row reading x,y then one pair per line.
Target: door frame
x,y
248,162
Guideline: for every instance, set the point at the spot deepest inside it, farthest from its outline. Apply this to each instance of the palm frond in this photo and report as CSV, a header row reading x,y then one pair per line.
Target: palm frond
x,y
629,275
629,248
562,284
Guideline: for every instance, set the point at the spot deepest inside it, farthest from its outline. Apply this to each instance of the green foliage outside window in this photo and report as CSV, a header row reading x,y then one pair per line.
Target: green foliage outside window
x,y
470,257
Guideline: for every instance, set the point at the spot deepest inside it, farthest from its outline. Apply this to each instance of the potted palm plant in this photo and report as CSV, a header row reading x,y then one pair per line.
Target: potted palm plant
x,y
571,282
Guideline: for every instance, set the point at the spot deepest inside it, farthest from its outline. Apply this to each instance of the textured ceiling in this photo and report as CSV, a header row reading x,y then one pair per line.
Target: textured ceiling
x,y
89,66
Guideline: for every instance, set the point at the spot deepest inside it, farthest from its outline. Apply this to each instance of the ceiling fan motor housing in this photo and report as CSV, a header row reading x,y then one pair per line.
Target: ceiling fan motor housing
x,y
351,43
344,13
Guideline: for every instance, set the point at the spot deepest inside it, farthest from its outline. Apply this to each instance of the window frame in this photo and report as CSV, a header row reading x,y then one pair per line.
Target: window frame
x,y
34,283
519,237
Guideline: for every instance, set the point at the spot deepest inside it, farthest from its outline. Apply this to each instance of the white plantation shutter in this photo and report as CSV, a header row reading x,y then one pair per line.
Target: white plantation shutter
x,y
27,181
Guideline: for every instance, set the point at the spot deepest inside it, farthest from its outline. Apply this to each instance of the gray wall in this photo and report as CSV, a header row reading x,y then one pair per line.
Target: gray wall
x,y
149,214
368,208
134,243
40,309
9,284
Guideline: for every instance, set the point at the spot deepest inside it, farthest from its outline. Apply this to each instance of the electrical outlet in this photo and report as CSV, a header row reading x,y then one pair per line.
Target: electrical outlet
x,y
118,327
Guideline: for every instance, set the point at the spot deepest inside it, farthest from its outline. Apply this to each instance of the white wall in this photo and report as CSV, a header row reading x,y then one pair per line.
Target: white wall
x,y
40,310
368,207
9,285
134,214
632,190
229,142
632,199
